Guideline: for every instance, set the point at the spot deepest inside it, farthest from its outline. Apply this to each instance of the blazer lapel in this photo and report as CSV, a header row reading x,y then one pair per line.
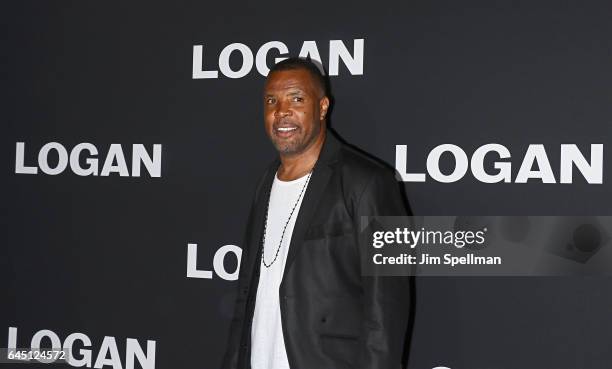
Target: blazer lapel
x,y
259,216
318,181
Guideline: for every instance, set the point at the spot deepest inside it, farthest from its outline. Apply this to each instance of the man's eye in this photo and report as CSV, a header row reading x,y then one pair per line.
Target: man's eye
x,y
298,99
270,101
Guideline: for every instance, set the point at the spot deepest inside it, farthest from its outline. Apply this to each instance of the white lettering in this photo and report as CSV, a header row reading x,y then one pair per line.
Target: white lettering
x,y
400,166
115,153
43,162
247,60
12,338
108,355
192,263
45,333
535,153
20,168
337,51
504,168
570,155
92,169
433,161
109,346
262,53
85,359
218,262
309,50
133,349
218,265
140,155
197,72
115,160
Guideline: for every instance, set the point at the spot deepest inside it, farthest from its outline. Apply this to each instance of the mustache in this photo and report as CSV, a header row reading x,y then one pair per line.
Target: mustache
x,y
284,123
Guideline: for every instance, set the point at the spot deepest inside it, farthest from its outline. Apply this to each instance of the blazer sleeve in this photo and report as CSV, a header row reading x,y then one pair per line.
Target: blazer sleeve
x,y
386,298
232,351
239,320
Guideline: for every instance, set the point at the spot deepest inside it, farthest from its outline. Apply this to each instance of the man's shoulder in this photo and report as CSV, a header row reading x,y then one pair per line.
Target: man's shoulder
x,y
266,176
360,165
357,169
369,186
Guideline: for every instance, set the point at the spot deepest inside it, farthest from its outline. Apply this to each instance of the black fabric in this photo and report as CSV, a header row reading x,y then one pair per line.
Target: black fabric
x,y
332,316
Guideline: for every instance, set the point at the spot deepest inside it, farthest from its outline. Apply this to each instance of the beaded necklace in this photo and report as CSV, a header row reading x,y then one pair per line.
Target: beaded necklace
x,y
263,240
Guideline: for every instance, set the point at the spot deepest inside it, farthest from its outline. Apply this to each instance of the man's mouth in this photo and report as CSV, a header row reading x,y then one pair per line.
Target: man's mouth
x,y
285,131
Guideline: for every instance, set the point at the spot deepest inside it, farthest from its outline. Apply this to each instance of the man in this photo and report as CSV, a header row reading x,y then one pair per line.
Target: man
x,y
303,301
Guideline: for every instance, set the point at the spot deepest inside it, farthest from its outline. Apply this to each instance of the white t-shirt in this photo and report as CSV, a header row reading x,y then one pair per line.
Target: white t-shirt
x,y
267,343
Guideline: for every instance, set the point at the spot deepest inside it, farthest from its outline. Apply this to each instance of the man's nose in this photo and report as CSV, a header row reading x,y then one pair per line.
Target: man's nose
x,y
282,111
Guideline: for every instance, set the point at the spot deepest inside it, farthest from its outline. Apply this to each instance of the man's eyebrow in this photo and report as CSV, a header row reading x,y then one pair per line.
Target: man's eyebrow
x,y
292,92
296,91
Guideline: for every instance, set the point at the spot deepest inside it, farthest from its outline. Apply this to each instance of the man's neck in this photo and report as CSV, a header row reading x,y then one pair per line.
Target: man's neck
x,y
296,166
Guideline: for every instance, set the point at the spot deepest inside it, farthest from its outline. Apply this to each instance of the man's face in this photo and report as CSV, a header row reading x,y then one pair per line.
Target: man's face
x,y
294,110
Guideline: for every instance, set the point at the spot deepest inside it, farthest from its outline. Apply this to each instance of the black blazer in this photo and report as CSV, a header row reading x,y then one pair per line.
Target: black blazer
x,y
332,316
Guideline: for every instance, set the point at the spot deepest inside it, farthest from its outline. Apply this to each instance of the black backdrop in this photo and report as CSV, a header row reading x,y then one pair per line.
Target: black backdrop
x,y
107,255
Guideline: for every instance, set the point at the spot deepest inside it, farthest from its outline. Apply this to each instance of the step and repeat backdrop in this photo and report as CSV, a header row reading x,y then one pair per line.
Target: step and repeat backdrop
x,y
132,139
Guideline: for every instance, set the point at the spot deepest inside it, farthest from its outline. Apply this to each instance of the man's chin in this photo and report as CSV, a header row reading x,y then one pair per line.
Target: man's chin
x,y
291,147
286,148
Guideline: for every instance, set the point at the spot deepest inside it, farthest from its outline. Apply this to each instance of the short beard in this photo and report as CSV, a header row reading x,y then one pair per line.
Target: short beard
x,y
297,146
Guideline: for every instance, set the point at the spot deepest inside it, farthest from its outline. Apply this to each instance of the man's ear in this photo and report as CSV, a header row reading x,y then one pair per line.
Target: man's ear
x,y
323,107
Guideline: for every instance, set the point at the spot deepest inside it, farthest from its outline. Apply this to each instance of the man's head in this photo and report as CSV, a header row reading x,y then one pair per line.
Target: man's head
x,y
295,106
